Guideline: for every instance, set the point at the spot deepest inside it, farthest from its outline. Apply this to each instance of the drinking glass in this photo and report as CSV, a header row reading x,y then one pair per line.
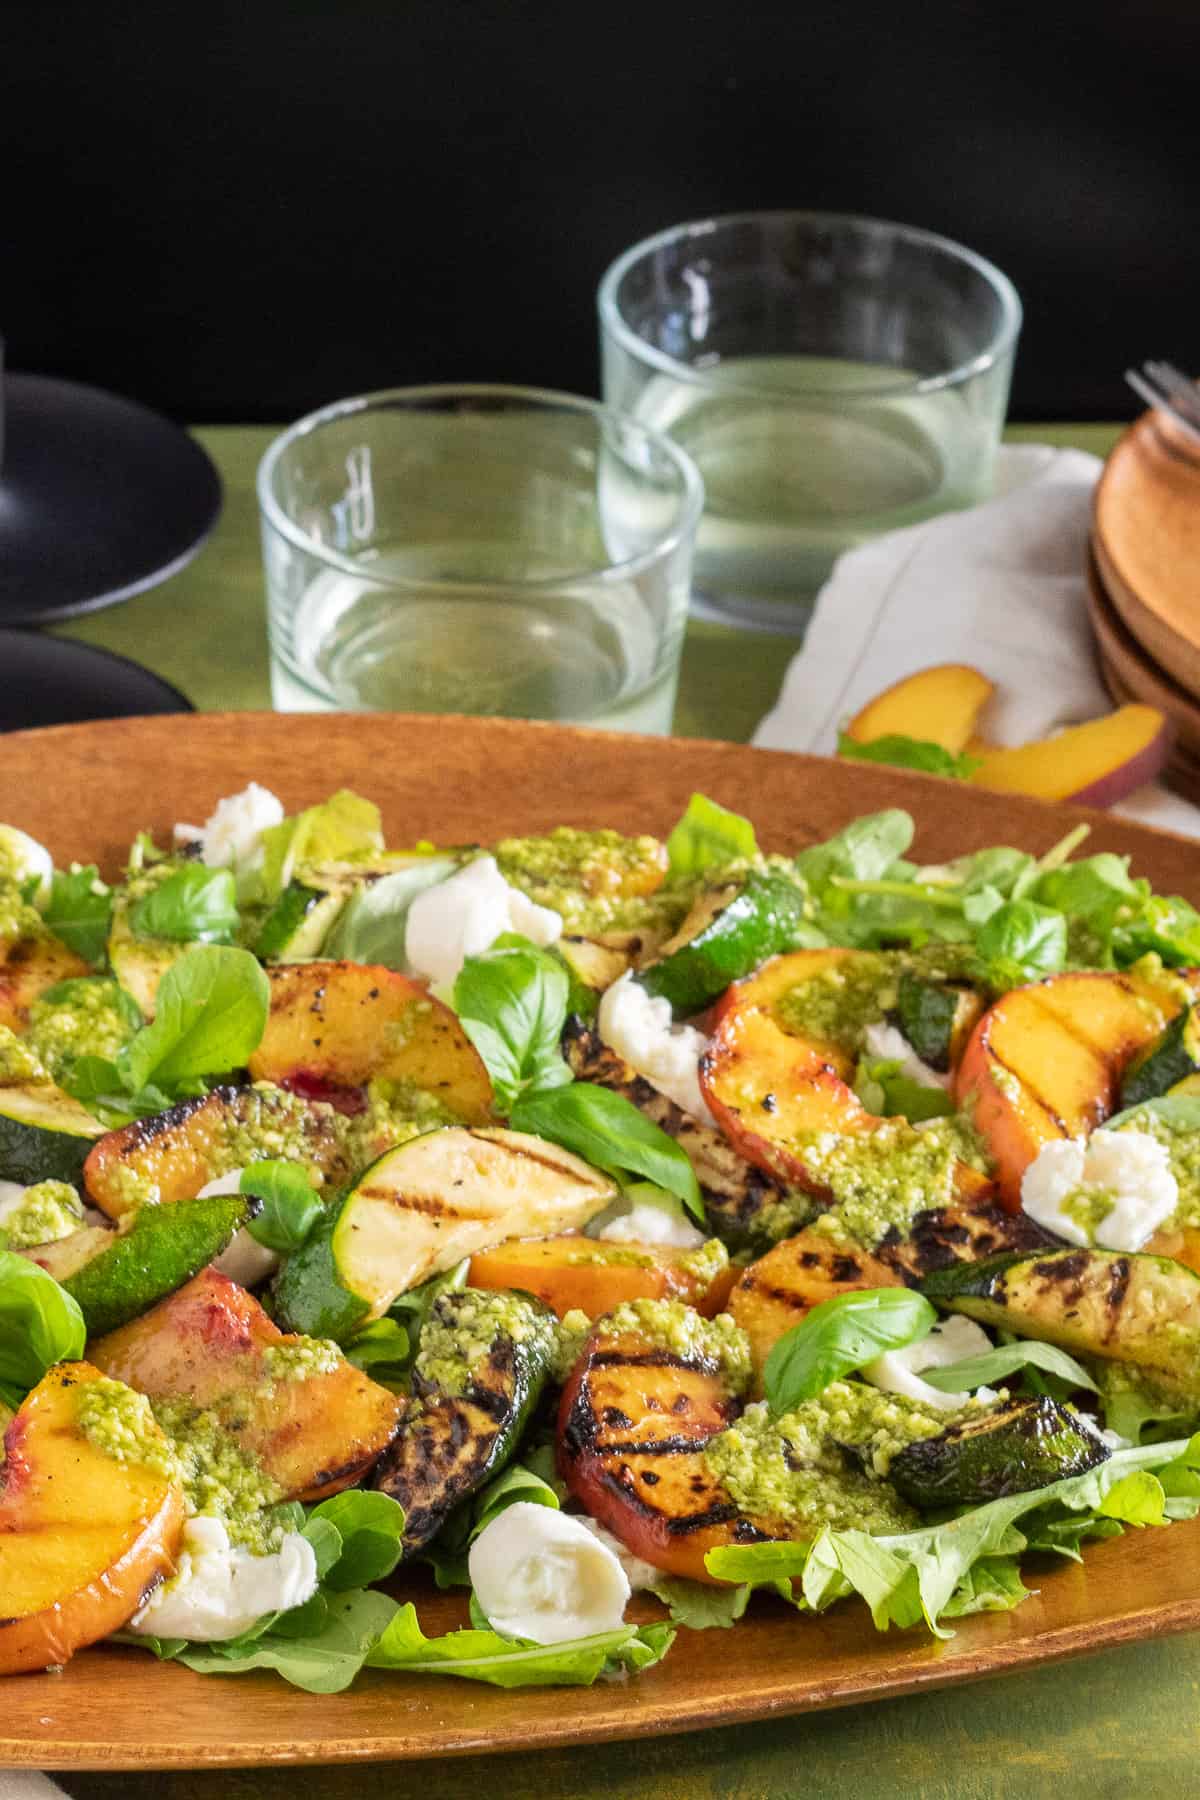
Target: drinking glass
x,y
492,550
832,377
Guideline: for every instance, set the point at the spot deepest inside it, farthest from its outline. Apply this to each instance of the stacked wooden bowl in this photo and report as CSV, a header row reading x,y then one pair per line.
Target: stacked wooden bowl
x,y
1144,581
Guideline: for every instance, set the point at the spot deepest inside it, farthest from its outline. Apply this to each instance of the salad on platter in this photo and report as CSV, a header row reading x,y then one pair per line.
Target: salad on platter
x,y
579,1217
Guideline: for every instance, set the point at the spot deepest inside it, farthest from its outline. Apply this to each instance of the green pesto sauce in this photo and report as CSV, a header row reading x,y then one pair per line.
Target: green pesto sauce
x,y
883,1178
1132,1398
18,1061
570,1334
1183,1154
794,1468
719,1344
91,1022
1172,984
591,879
120,1423
704,1264
219,1477
396,1111
300,1358
839,1001
47,1211
1088,1207
461,1331
17,918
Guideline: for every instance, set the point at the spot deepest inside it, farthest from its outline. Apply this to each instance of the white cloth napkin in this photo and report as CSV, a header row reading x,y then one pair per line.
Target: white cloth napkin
x,y
1001,586
24,1784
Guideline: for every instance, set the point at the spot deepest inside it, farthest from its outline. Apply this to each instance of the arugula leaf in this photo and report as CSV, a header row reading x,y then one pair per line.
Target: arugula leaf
x,y
482,1655
343,826
839,1336
606,1129
908,753
79,910
448,1553
700,1607
371,927
383,1350
993,1584
210,1015
371,1527
512,1001
324,1662
193,905
40,1323
707,836
1020,941
993,1366
864,850
290,1205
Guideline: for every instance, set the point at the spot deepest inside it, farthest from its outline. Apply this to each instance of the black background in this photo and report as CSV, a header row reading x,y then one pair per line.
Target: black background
x,y
235,212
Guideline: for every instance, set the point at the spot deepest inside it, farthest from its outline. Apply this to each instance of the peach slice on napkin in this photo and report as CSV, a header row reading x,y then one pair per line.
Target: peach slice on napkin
x,y
940,705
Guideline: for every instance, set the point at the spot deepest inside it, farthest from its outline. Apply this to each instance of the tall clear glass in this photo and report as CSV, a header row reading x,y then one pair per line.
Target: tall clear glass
x,y
491,550
832,377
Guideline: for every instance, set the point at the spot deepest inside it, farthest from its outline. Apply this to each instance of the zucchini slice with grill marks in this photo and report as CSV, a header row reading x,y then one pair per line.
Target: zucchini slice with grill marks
x,y
45,1135
728,932
937,1017
1172,1057
480,1370
299,923
1010,1449
1139,1309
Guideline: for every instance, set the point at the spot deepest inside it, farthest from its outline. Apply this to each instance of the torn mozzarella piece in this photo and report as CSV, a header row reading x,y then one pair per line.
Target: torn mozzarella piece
x,y
542,1575
640,1574
638,1026
885,1044
232,837
243,1259
951,1341
219,1590
640,1219
465,914
1113,1189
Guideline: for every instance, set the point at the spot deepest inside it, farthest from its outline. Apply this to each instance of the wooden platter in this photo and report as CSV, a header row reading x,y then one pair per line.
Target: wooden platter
x,y
84,790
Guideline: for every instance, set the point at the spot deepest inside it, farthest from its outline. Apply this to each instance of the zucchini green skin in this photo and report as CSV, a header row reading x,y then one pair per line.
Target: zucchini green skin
x,y
163,1247
44,1134
928,1013
450,1444
1010,1450
1139,1308
1169,1059
728,933
298,924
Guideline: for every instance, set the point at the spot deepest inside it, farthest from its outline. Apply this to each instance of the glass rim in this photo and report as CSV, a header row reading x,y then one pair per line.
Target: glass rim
x,y
691,494
613,321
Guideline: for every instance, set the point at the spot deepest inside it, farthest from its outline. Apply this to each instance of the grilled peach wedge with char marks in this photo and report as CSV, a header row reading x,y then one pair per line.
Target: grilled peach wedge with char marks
x,y
83,1537
312,1430
633,1423
1046,1060
778,1290
341,1024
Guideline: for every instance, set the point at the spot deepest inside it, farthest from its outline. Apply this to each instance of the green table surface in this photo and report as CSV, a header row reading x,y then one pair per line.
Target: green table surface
x,y
1124,1722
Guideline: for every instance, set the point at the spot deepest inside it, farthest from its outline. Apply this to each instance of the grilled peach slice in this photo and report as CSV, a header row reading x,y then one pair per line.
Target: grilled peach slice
x,y
633,1421
776,1292
83,1537
576,1273
28,966
1046,1060
341,1024
211,1343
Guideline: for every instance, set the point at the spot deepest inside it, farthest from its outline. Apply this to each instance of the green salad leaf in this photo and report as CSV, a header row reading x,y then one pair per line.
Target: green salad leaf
x,y
372,925
993,1366
210,1014
839,1336
1021,940
512,1001
79,910
193,905
481,1655
291,1208
343,826
324,1660
1178,1112
40,1324
706,837
448,1552
902,752
384,1351
606,1129
886,1091
370,1525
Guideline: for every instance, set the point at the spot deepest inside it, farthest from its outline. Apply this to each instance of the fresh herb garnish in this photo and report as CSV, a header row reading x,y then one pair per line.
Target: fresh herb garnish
x,y
512,1001
839,1336
290,1205
194,905
607,1130
901,752
40,1325
706,837
79,911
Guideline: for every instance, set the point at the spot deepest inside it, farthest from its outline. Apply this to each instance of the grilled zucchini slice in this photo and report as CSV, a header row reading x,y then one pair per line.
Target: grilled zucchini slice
x,y
45,1135
1138,1309
937,1017
1172,1057
483,1362
1010,1449
298,924
729,931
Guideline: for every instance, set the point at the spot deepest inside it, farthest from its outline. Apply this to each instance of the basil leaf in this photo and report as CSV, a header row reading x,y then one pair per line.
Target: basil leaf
x,y
371,1526
345,825
512,1001
382,1350
1020,941
371,926
211,1011
79,911
992,1366
193,905
863,851
1093,890
839,1336
290,1206
483,1655
40,1323
607,1130
908,753
706,837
